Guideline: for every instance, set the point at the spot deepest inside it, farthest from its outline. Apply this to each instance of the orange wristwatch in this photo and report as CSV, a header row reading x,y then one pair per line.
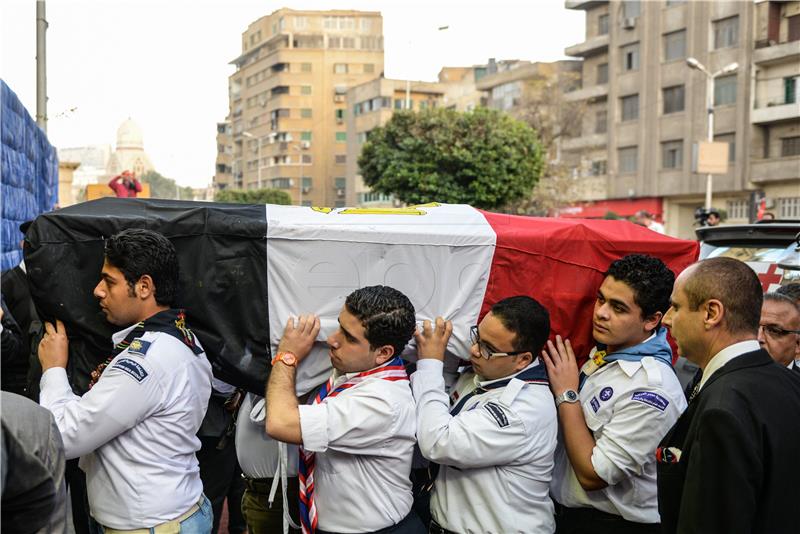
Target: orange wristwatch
x,y
286,357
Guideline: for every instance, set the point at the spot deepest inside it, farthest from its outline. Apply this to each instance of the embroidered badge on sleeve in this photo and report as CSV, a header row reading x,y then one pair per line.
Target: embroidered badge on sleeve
x,y
651,399
138,347
497,413
595,404
132,368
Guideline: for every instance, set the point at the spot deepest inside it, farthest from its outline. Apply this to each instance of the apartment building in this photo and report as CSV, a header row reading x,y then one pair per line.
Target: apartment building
x,y
370,105
223,175
646,108
461,87
288,100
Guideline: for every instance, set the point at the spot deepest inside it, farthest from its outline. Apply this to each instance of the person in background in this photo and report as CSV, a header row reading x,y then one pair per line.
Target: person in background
x,y
125,185
646,219
779,330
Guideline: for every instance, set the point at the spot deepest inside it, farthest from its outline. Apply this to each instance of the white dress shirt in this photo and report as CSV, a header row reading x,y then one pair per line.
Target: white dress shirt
x,y
629,407
496,454
364,442
724,356
135,431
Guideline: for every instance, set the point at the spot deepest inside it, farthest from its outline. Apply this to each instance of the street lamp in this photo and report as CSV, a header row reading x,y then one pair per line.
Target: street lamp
x,y
258,165
694,64
408,80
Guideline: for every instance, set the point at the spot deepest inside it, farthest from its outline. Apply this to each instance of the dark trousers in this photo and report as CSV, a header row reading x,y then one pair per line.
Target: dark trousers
x,y
76,485
410,524
591,521
260,518
221,476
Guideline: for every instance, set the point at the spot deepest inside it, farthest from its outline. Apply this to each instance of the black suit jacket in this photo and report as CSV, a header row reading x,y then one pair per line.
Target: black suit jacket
x,y
739,440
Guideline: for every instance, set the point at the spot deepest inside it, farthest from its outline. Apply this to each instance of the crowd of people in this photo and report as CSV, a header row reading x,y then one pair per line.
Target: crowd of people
x,y
520,438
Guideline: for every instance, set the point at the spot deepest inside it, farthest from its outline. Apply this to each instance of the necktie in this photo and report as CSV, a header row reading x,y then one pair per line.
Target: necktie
x,y
392,371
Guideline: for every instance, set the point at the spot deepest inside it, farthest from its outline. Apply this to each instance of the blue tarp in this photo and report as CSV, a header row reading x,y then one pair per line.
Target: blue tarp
x,y
28,173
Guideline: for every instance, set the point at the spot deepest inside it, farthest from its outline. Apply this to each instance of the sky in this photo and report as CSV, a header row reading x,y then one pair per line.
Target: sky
x,y
165,63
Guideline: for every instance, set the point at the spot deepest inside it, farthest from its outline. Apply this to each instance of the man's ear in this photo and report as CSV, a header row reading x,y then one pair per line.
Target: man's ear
x,y
145,287
714,313
651,322
384,354
524,360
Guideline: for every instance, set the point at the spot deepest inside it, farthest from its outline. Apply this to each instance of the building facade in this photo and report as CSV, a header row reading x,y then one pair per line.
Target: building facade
x,y
288,101
370,105
646,108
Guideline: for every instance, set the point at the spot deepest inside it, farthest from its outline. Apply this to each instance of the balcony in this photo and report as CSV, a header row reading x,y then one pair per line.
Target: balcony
x,y
779,113
594,92
590,47
584,142
582,4
774,169
777,53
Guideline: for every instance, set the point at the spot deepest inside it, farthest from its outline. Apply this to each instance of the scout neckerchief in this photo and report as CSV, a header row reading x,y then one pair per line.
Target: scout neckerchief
x,y
600,357
392,371
172,322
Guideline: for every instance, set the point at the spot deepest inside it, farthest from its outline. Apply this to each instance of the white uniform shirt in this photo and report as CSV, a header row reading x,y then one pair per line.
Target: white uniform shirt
x,y
496,454
258,454
135,430
364,439
629,407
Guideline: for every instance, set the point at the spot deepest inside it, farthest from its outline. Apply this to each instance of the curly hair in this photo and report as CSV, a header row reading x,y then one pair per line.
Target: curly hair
x,y
386,314
137,252
648,277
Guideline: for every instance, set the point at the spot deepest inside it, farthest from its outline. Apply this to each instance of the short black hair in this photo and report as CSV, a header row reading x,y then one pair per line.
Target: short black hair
x,y
733,283
137,252
790,290
386,314
648,277
529,320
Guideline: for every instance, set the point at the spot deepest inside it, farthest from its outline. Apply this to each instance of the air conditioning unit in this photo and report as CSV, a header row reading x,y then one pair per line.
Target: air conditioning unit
x,y
338,98
340,192
629,23
305,145
306,190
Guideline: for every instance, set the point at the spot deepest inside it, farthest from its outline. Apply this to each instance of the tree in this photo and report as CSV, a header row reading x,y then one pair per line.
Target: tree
x,y
483,158
253,196
162,187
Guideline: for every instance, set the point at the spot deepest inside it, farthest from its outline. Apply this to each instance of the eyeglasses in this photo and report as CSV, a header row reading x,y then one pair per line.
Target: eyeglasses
x,y
775,331
484,351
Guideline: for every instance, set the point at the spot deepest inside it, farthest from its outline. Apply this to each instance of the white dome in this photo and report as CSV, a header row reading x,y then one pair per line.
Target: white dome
x,y
129,135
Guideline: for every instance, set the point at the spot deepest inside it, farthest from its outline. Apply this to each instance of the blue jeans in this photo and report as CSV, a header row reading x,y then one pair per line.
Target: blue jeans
x,y
199,522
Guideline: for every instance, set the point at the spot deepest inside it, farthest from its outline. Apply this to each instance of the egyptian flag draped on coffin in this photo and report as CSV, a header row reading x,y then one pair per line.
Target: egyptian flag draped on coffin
x,y
246,268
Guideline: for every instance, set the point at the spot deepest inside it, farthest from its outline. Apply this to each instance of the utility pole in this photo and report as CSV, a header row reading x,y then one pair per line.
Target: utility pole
x,y
41,66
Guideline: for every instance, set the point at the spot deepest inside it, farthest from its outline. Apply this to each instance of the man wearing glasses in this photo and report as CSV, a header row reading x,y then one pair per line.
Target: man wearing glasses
x,y
617,407
495,443
779,330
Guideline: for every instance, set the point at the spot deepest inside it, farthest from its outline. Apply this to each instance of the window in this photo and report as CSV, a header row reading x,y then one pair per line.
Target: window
x,y
340,68
300,22
598,168
790,89
348,42
361,137
281,183
726,32
602,73
305,136
729,138
675,45
738,209
790,146
628,159
672,154
370,42
338,204
341,137
340,183
305,67
305,113
631,9
307,181
725,90
305,89
789,208
305,159
369,68
630,57
601,121
671,3
340,159
339,114
366,25
794,28
602,25
673,99
630,107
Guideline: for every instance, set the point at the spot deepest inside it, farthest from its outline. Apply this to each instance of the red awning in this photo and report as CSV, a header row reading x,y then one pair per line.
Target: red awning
x,y
623,207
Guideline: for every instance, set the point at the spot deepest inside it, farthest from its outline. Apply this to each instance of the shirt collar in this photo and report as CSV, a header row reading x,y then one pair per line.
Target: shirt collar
x,y
116,337
628,367
483,383
725,355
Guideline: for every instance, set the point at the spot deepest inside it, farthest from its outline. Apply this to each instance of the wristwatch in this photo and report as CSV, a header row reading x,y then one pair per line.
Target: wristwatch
x,y
570,396
286,357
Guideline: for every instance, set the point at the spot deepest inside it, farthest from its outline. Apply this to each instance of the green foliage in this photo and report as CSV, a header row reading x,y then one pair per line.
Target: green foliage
x,y
253,196
162,187
483,158
612,216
